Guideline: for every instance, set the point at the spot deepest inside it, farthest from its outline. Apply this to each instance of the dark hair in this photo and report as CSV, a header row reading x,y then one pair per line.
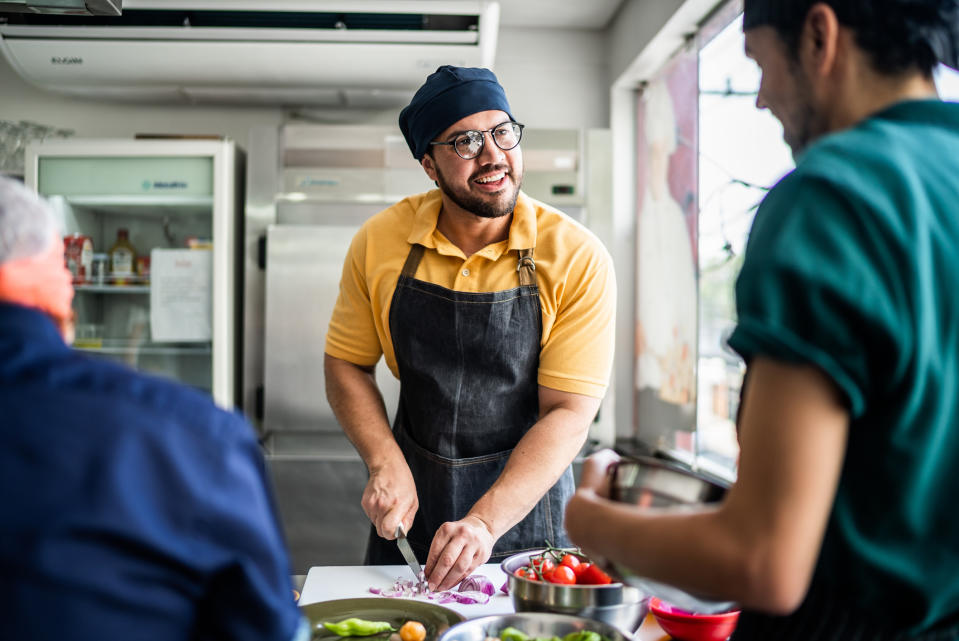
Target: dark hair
x,y
897,35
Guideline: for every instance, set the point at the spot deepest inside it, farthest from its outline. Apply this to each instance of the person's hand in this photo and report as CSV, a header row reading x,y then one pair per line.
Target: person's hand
x,y
458,548
390,499
595,476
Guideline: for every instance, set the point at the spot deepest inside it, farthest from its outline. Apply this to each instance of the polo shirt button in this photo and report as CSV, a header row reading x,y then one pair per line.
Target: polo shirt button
x,y
466,272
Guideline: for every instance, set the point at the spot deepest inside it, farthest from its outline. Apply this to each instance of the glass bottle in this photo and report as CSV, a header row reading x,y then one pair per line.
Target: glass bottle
x,y
122,258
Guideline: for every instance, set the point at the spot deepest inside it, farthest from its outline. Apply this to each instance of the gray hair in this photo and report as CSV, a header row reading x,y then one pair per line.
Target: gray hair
x,y
27,222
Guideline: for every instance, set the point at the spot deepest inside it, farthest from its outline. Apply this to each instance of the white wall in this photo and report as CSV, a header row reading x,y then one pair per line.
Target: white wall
x,y
555,78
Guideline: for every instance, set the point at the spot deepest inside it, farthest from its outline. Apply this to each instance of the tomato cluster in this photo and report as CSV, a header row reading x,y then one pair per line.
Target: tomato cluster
x,y
565,568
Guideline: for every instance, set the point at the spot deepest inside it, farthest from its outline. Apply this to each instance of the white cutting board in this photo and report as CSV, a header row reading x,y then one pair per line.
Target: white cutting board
x,y
328,582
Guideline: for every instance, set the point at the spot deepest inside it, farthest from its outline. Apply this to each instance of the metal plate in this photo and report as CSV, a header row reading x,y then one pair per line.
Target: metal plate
x,y
435,618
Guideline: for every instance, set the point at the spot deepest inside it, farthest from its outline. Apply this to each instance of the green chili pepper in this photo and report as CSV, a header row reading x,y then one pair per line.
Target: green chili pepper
x,y
354,627
583,635
512,634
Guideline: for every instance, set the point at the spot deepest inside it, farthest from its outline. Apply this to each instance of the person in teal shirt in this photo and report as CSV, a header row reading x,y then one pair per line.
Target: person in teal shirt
x,y
842,522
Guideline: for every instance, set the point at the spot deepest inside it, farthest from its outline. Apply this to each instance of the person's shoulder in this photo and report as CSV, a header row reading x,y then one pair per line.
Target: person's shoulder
x,y
398,215
554,226
887,143
139,398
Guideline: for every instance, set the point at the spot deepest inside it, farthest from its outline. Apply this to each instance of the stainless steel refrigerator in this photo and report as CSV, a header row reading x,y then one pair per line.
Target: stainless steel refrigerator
x,y
150,233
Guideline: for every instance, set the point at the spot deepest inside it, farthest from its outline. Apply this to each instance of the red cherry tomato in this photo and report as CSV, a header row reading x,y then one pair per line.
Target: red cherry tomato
x,y
594,576
571,561
562,574
545,564
579,569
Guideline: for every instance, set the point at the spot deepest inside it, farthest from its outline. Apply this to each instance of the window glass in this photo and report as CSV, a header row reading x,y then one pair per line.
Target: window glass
x,y
741,155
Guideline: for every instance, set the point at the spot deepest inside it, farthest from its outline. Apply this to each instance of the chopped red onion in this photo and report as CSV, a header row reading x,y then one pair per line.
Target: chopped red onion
x,y
477,583
473,589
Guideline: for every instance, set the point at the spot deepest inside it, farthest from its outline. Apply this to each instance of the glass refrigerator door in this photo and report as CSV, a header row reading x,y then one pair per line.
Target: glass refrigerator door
x,y
140,233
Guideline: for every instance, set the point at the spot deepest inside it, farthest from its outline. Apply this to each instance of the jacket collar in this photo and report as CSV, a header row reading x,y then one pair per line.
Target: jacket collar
x,y
21,325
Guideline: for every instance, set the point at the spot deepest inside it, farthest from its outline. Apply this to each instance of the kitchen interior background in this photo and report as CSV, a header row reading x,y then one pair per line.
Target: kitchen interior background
x,y
597,84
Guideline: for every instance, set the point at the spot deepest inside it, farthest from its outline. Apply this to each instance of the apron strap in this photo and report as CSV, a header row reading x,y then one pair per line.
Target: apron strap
x,y
526,267
413,260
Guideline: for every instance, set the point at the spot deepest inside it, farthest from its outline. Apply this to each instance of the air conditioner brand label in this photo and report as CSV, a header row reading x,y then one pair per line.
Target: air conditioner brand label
x,y
66,60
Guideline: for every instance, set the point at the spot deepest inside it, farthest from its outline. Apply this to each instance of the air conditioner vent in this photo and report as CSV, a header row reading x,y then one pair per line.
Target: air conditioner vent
x,y
258,20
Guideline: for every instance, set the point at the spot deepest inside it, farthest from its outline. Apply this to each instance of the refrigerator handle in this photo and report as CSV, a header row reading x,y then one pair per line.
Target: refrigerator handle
x,y
261,252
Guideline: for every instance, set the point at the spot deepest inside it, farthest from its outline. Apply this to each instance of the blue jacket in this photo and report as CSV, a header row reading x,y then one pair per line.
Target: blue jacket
x,y
130,507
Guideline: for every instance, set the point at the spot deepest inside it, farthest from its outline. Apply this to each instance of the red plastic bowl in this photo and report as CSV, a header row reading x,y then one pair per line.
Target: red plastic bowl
x,y
686,626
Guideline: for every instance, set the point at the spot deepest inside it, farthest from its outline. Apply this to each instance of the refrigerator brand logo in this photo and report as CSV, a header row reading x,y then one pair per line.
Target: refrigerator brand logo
x,y
164,184
66,60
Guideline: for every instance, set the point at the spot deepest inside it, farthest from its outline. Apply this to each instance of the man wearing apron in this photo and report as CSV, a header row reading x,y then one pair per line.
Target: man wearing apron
x,y
842,522
496,314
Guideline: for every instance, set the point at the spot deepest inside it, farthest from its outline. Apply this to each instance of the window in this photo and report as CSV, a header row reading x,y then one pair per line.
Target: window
x,y
741,155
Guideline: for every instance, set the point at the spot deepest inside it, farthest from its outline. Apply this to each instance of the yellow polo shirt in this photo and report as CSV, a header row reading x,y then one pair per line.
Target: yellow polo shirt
x,y
577,287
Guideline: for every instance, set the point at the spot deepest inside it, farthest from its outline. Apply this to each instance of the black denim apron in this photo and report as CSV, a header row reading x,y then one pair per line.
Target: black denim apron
x,y
468,392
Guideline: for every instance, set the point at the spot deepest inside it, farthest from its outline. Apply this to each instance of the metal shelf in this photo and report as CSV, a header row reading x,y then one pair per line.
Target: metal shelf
x,y
113,289
143,205
119,346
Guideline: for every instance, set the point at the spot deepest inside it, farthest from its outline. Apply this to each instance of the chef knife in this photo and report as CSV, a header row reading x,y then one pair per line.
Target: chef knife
x,y
407,553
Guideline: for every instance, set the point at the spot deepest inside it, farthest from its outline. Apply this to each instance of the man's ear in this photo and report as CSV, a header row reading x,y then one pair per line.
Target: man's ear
x,y
819,40
429,166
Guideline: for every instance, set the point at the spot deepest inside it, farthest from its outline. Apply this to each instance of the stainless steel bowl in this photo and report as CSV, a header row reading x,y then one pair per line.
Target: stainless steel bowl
x,y
615,604
534,624
650,482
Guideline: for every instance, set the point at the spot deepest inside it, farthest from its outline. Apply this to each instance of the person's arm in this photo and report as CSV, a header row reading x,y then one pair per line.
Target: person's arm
x,y
759,546
390,495
535,464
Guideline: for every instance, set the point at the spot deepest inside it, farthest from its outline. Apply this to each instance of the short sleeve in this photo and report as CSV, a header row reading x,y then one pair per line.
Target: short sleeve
x,y
352,335
814,286
578,354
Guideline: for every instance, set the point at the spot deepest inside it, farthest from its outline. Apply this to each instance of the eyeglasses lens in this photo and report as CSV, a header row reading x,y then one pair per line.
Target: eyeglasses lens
x,y
505,136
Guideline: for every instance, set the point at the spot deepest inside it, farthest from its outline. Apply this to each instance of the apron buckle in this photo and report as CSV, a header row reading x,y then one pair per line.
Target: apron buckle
x,y
524,260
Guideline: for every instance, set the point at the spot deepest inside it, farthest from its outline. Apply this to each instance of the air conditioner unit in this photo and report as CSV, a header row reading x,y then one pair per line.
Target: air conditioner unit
x,y
329,53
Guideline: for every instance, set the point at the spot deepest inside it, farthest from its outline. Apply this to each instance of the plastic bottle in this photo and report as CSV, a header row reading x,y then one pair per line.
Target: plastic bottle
x,y
122,258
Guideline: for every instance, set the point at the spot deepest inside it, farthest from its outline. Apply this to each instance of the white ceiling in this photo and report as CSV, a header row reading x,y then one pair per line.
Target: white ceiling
x,y
557,14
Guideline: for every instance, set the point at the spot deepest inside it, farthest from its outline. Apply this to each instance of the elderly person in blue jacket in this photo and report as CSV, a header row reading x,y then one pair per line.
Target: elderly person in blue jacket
x,y
132,507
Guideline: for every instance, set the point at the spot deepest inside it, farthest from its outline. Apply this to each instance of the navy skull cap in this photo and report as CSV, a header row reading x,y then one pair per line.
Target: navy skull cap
x,y
940,28
448,95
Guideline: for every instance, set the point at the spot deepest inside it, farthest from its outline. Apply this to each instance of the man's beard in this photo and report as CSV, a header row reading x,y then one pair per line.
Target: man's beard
x,y
804,119
476,205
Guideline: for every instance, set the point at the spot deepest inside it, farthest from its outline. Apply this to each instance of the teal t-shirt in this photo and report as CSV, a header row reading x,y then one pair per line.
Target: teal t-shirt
x,y
852,265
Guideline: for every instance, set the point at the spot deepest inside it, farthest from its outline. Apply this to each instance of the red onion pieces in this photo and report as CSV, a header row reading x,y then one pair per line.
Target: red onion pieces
x,y
475,588
477,583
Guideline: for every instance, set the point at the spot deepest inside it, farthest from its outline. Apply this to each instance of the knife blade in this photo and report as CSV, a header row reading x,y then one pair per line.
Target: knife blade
x,y
407,553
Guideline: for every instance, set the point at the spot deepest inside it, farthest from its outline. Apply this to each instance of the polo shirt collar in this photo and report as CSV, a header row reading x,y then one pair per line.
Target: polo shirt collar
x,y
522,230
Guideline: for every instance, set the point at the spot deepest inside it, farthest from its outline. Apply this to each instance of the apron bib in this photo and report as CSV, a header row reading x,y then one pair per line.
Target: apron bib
x,y
468,392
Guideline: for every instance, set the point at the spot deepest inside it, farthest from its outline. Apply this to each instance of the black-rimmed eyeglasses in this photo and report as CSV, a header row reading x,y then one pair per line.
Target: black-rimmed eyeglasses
x,y
469,144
